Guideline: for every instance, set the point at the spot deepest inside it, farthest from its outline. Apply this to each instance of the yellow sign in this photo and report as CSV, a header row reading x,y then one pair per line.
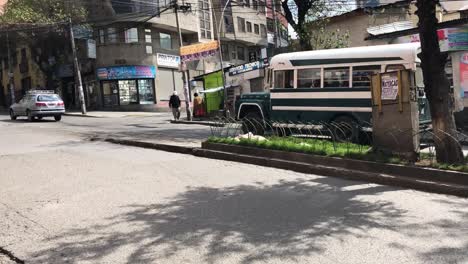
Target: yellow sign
x,y
198,51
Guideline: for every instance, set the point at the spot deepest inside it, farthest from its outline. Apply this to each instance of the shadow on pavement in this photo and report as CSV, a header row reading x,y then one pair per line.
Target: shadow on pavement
x,y
258,222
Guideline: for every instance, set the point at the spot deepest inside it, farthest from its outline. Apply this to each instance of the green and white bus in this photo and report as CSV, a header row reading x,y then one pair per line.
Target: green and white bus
x,y
326,85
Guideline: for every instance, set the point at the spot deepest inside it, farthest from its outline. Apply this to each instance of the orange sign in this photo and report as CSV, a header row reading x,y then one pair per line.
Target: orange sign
x,y
198,51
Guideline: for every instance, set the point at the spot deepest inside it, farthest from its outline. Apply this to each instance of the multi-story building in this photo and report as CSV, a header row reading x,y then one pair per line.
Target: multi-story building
x,y
241,28
138,51
277,27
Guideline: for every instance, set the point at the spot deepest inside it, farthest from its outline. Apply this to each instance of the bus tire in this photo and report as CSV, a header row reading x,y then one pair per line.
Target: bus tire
x,y
253,122
345,129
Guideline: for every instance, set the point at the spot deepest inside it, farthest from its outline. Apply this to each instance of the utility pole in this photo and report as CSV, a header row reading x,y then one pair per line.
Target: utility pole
x,y
220,51
184,71
77,69
11,82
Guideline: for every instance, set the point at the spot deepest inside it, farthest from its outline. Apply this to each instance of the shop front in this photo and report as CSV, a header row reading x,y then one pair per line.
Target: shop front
x,y
127,86
169,77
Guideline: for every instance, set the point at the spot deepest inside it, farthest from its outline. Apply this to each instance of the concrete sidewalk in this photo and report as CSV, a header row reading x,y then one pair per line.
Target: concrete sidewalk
x,y
113,114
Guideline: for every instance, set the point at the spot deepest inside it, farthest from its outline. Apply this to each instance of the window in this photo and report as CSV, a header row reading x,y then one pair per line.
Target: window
x,y
101,36
255,4
205,19
111,35
145,91
228,24
241,24
149,49
225,51
336,78
257,29
270,25
165,41
131,35
263,30
233,52
261,7
240,53
148,37
308,78
362,75
247,3
284,79
249,27
128,92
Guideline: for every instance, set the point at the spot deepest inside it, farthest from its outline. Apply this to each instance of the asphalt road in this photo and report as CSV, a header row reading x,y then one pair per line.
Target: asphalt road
x,y
64,199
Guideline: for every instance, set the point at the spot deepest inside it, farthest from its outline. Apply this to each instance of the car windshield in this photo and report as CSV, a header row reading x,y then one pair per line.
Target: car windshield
x,y
48,98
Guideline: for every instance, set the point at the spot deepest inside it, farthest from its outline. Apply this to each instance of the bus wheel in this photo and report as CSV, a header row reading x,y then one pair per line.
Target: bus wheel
x,y
253,123
345,129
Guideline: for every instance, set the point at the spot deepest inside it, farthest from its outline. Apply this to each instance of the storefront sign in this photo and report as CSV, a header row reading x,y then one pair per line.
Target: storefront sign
x,y
464,75
389,86
198,51
248,67
126,72
450,39
167,60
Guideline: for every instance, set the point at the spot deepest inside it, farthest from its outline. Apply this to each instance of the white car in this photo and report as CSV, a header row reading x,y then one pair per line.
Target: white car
x,y
38,104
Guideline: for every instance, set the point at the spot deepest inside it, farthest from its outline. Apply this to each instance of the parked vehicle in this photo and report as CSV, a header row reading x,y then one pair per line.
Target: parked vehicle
x,y
327,85
38,104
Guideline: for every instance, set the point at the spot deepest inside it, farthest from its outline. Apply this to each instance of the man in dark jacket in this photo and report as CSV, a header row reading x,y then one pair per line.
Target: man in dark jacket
x,y
174,104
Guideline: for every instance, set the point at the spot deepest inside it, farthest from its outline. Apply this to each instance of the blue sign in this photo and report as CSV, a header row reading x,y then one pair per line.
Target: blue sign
x,y
248,67
126,72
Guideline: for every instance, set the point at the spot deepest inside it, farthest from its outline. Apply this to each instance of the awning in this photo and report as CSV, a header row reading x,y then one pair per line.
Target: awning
x,y
217,89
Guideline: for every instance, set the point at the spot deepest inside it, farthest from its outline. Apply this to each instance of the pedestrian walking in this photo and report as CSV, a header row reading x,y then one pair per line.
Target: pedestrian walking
x,y
174,104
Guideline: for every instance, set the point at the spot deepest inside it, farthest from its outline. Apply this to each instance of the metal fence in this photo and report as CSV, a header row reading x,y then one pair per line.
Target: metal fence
x,y
357,134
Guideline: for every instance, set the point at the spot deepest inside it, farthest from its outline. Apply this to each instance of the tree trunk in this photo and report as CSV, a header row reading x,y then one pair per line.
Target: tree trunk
x,y
437,86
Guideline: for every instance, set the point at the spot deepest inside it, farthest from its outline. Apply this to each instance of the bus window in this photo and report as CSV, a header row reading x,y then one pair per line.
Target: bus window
x,y
284,79
362,75
308,78
336,78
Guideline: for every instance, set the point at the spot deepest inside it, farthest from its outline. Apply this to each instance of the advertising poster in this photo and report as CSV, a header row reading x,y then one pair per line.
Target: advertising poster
x,y
464,75
126,72
389,86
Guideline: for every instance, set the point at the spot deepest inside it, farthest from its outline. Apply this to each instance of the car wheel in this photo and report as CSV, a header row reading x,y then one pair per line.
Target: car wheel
x,y
12,115
58,118
29,115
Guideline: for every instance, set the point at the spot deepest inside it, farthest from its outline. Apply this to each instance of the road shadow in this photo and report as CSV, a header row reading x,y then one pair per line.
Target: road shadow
x,y
258,222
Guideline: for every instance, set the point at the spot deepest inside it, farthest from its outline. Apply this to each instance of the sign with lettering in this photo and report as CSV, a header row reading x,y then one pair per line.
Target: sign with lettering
x,y
198,51
167,60
126,72
248,67
389,86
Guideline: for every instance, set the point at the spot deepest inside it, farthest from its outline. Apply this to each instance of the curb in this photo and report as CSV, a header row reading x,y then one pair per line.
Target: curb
x,y
204,123
303,167
348,174
149,145
81,115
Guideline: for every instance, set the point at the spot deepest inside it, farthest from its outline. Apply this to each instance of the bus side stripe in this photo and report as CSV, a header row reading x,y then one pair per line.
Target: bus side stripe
x,y
325,109
322,95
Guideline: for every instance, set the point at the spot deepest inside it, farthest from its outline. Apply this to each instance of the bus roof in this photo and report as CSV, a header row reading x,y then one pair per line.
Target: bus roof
x,y
396,52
